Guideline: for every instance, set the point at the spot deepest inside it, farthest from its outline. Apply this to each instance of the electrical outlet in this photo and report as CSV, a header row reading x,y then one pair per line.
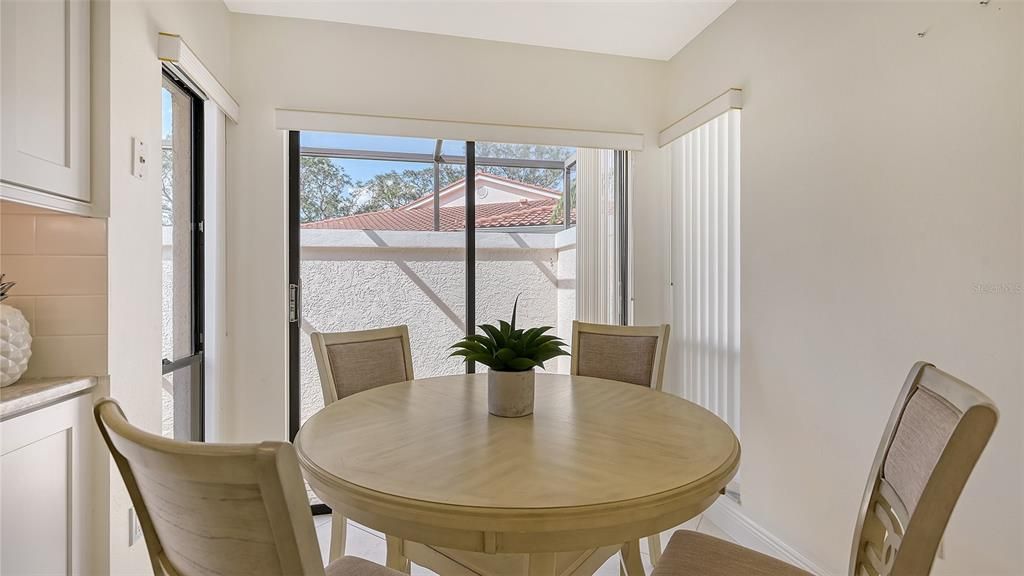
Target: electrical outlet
x,y
134,528
140,155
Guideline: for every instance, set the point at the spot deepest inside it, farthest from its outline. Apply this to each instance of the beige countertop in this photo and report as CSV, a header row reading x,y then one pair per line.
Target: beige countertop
x,y
29,394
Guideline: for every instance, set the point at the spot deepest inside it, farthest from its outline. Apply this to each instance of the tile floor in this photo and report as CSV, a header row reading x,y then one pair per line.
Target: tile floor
x,y
369,544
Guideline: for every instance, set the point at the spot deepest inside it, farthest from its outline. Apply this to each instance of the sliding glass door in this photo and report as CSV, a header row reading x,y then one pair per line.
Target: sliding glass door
x,y
182,219
372,247
442,236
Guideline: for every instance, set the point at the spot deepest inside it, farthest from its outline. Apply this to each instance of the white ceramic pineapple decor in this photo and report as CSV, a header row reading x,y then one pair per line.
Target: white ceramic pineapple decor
x,y
15,340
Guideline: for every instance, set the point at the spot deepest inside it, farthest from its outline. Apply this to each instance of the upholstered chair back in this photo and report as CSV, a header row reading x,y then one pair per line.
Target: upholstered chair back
x,y
633,354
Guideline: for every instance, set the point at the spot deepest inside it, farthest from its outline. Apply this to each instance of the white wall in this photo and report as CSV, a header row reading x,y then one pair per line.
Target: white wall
x,y
126,104
881,185
353,69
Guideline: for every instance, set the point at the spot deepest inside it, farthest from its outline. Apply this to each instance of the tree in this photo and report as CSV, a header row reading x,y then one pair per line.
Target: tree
x,y
544,177
325,190
559,210
423,179
393,189
448,174
167,185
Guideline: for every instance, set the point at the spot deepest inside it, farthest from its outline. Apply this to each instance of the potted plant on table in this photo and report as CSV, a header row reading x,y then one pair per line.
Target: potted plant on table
x,y
511,354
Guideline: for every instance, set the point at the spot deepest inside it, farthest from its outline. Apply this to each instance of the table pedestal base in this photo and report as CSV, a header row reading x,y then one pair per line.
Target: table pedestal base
x,y
450,562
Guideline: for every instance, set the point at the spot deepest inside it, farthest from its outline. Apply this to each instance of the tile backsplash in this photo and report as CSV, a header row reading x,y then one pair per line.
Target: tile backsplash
x,y
60,264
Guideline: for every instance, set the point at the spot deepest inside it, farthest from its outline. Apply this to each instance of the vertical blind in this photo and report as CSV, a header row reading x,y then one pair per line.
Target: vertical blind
x,y
596,256
705,185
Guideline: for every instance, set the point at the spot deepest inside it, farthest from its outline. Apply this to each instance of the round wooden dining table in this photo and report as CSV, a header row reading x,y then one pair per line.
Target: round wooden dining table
x,y
597,466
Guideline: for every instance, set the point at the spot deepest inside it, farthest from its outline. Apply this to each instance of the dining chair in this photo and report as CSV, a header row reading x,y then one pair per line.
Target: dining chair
x,y
937,430
219,509
633,354
351,362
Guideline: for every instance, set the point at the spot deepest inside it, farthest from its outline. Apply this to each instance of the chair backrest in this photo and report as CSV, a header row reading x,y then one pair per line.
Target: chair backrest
x,y
936,432
634,354
212,509
351,362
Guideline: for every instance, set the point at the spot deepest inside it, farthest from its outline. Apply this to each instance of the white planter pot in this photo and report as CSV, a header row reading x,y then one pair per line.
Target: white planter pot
x,y
15,344
510,394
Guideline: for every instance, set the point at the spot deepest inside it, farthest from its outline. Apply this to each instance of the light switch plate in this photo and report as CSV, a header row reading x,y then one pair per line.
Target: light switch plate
x,y
134,528
140,154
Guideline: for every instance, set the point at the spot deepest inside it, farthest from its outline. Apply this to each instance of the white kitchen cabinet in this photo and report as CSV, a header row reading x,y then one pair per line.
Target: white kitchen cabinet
x,y
44,103
45,490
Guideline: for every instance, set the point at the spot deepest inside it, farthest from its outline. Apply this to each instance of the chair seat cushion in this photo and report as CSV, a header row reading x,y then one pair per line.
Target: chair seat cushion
x,y
353,566
694,554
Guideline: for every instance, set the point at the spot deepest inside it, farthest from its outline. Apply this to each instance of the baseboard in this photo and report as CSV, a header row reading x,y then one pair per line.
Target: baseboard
x,y
726,514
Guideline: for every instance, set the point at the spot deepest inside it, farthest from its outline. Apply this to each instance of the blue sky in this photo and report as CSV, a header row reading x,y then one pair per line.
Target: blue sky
x,y
379,143
362,170
165,113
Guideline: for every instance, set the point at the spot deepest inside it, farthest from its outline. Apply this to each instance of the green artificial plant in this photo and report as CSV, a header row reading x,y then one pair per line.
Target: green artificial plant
x,y
505,348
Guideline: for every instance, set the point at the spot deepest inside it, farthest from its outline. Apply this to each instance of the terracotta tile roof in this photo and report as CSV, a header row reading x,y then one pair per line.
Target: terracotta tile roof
x,y
531,214
495,215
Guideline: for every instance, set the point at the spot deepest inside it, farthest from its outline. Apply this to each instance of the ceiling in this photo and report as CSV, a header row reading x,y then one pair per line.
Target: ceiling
x,y
640,29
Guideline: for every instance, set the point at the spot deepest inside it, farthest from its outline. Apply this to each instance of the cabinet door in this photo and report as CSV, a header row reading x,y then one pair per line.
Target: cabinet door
x,y
46,482
35,511
44,98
